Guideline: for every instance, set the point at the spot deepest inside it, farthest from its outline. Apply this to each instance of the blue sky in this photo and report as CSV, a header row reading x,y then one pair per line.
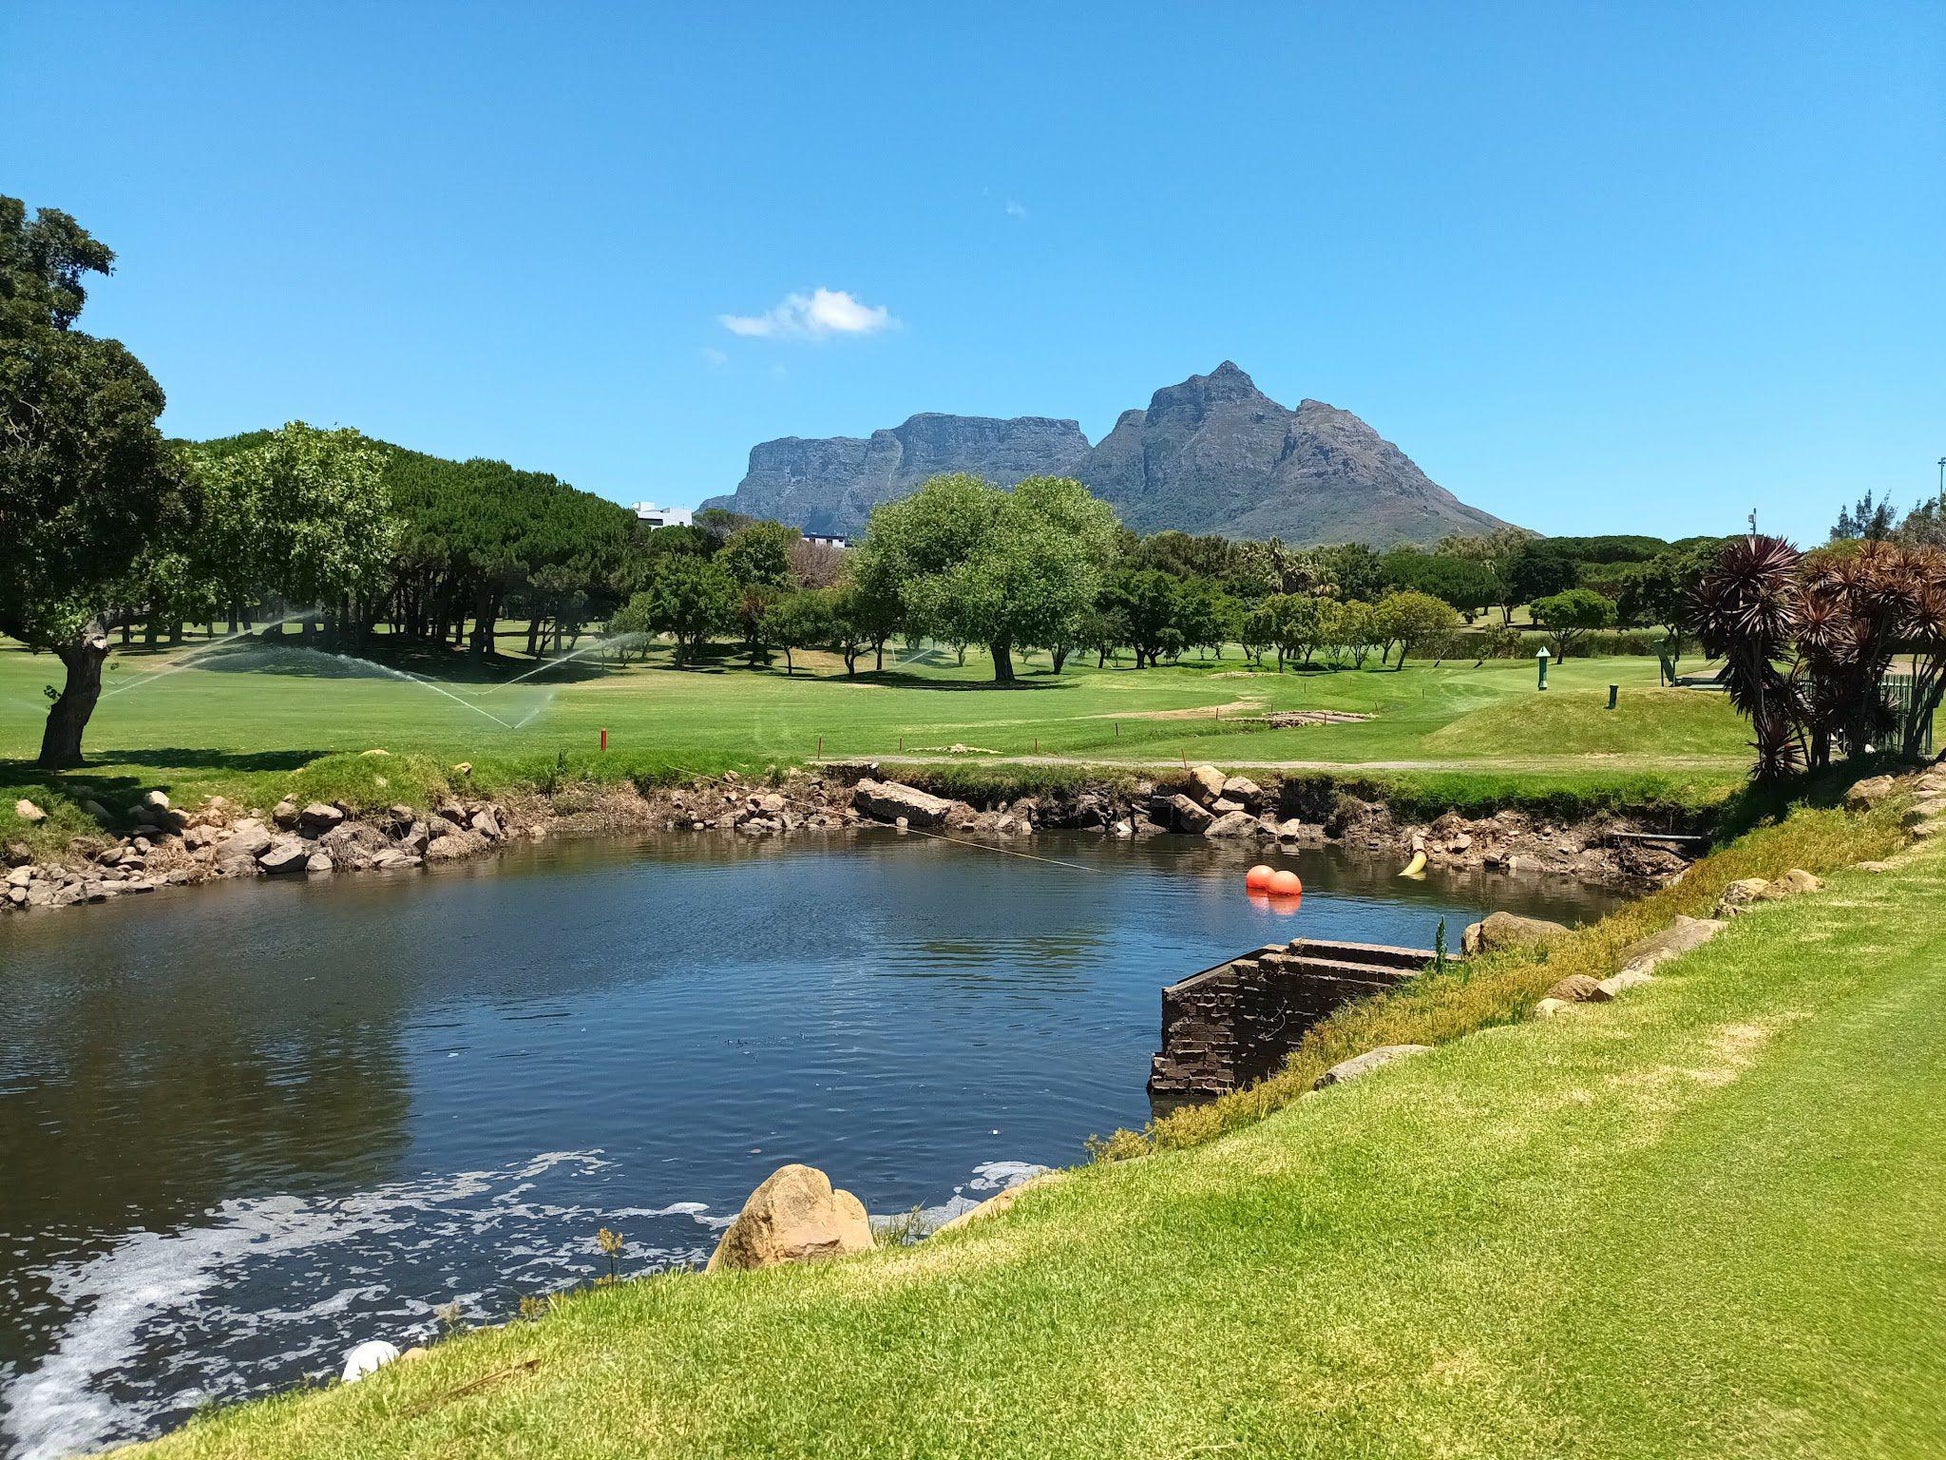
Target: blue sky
x,y
1634,267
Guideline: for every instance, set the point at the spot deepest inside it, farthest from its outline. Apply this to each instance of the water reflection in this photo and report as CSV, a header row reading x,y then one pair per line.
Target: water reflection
x,y
244,1125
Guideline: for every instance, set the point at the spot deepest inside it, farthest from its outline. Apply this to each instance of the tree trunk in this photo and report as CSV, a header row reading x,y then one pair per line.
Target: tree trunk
x,y
1060,658
1003,662
878,656
534,637
68,717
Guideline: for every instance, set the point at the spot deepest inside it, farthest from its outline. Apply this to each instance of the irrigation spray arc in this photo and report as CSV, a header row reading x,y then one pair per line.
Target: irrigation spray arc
x,y
188,661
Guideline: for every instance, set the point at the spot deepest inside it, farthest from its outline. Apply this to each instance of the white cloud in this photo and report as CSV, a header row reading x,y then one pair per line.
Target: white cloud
x,y
714,357
814,316
1016,208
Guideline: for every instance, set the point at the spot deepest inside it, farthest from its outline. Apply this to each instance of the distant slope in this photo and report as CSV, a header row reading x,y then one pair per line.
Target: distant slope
x,y
1211,455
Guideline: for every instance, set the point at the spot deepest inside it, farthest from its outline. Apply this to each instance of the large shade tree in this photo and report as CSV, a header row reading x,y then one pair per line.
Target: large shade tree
x,y
978,564
87,483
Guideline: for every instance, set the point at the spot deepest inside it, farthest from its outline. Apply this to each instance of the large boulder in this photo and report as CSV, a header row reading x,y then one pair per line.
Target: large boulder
x,y
238,851
455,846
1509,930
1738,897
1579,988
1644,955
1874,791
1364,1064
1243,791
795,1216
318,818
28,812
890,800
1791,884
1205,784
1232,824
286,855
1179,813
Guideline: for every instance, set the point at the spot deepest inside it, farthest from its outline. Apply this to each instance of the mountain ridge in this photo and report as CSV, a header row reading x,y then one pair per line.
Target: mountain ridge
x,y
1210,454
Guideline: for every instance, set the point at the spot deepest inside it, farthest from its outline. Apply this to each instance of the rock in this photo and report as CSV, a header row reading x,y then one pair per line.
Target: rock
x,y
487,825
318,818
1673,941
285,813
20,876
772,804
98,811
455,846
156,801
1874,791
1739,895
1290,830
28,812
368,1358
248,838
414,839
1223,806
1790,885
285,855
1876,868
198,837
463,768
795,1216
1243,790
1508,930
889,800
1180,813
1365,1063
1579,988
1548,1008
319,862
1205,784
1627,979
1232,824
390,857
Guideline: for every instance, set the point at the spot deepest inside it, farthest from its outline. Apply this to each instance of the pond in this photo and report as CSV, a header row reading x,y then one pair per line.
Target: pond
x,y
245,1126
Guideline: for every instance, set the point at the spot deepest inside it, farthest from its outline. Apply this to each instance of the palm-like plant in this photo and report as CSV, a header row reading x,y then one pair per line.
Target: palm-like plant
x,y
1748,609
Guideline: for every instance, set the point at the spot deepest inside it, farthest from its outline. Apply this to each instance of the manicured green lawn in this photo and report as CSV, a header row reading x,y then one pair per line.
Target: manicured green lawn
x,y
240,723
1700,1221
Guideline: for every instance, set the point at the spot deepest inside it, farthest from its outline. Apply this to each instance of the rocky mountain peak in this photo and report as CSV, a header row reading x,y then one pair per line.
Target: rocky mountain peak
x,y
1212,454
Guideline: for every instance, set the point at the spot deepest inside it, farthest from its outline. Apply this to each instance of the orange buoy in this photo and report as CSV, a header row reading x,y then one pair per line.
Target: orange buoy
x,y
1285,884
1257,879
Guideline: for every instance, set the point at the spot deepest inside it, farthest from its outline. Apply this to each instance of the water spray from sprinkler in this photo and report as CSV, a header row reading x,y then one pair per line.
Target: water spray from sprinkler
x,y
188,661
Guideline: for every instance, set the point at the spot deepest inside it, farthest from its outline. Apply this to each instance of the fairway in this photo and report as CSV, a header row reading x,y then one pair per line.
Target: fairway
x,y
239,719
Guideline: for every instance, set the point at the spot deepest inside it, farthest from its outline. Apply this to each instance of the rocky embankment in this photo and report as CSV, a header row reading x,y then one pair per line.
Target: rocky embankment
x,y
157,844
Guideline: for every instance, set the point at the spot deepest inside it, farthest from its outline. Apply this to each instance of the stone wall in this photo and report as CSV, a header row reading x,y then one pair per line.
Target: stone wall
x,y
1236,1023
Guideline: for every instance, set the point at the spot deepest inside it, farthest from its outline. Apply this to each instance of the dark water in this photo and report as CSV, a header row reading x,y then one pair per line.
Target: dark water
x,y
243,1127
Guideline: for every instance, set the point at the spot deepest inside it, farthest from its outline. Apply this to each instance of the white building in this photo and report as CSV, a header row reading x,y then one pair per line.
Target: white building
x,y
652,516
826,539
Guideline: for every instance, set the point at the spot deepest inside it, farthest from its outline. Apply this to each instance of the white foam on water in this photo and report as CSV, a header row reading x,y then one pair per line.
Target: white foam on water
x,y
178,1285
173,1303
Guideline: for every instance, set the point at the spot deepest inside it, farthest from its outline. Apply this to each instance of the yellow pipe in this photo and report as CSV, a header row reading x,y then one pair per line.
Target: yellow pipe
x,y
1416,866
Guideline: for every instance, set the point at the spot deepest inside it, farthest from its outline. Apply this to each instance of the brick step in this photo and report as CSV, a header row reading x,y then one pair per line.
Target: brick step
x,y
1376,954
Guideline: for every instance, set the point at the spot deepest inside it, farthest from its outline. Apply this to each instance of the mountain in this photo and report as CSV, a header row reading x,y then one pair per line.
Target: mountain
x,y
1211,455
831,484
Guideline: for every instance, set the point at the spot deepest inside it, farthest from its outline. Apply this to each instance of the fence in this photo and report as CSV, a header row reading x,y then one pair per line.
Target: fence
x,y
1900,691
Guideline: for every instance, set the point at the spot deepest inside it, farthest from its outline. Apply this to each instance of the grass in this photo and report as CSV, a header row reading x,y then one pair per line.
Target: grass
x,y
245,722
1700,1221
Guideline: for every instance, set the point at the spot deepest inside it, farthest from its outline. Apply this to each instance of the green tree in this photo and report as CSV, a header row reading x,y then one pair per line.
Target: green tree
x,y
688,598
88,487
800,620
1295,624
1412,620
1662,591
1146,608
1540,569
1571,614
1004,568
304,515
